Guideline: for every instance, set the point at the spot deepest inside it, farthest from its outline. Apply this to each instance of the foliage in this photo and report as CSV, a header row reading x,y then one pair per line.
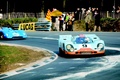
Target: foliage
x,y
10,22
79,25
107,24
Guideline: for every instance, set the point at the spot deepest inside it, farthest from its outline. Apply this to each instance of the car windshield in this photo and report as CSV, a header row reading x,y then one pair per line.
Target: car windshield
x,y
78,39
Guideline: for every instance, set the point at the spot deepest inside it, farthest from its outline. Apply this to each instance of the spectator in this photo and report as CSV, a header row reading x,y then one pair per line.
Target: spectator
x,y
118,10
97,21
57,23
70,22
72,18
66,21
61,19
113,11
88,18
93,12
77,14
83,13
54,21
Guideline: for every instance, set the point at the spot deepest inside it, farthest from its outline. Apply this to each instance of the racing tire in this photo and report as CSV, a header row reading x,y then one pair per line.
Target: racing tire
x,y
61,53
1,36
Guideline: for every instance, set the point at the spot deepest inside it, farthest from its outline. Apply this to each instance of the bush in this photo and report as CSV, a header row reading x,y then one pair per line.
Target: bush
x,y
10,22
107,24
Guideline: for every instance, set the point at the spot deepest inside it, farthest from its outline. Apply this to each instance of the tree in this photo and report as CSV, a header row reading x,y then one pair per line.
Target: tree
x,y
64,4
42,9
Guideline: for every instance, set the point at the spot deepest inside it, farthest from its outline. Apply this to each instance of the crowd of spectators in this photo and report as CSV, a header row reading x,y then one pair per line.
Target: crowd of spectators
x,y
65,22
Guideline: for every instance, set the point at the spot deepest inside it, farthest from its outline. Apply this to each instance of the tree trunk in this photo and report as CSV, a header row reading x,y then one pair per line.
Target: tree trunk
x,y
64,4
42,10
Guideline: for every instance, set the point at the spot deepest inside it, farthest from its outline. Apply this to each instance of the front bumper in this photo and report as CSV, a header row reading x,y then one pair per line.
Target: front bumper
x,y
85,51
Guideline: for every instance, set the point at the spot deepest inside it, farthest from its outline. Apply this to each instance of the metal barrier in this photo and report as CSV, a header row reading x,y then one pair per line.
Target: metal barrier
x,y
41,25
20,15
15,26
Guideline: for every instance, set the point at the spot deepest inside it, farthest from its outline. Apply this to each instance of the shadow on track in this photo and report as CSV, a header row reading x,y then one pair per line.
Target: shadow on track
x,y
109,52
11,39
77,56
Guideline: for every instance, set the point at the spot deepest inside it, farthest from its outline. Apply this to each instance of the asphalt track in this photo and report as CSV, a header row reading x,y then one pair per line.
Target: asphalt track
x,y
87,68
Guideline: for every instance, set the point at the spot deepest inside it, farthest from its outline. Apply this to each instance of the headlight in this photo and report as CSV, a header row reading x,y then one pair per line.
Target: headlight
x,y
100,46
70,48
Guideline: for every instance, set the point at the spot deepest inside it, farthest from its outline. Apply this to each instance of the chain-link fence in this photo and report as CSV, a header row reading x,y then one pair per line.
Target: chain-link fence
x,y
21,15
110,14
39,15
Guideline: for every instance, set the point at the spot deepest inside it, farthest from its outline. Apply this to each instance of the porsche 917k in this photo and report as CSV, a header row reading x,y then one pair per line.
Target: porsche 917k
x,y
84,44
9,33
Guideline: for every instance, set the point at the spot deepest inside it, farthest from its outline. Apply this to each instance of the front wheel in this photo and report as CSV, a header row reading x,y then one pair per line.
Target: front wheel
x,y
61,52
1,36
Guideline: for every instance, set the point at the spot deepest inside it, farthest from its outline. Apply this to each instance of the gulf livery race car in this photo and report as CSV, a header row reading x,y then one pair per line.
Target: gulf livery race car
x,y
84,44
9,33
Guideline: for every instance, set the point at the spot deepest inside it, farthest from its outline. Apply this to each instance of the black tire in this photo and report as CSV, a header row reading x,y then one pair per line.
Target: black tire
x,y
61,53
1,36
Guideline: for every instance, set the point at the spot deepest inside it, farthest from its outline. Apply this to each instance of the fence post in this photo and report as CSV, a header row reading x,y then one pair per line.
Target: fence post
x,y
107,14
8,15
25,15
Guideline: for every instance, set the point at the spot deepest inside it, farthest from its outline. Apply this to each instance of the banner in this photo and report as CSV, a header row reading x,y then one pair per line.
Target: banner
x,y
27,26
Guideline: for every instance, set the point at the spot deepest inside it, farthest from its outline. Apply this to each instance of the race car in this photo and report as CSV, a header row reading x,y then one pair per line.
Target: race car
x,y
83,44
9,33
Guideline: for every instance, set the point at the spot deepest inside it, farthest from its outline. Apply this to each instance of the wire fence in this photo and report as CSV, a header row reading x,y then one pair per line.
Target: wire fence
x,y
39,15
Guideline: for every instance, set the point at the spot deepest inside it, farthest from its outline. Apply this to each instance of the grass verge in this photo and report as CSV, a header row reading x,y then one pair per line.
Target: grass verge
x,y
12,57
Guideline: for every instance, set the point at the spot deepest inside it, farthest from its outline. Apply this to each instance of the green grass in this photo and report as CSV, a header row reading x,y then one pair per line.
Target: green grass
x,y
10,56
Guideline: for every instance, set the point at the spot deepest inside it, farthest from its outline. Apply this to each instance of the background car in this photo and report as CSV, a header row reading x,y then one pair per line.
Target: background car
x,y
9,33
84,44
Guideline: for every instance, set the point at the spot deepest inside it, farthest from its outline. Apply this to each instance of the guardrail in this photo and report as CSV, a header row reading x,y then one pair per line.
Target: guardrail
x,y
41,25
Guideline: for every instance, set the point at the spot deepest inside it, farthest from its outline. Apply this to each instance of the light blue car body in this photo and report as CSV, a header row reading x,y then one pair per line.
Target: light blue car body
x,y
92,43
9,33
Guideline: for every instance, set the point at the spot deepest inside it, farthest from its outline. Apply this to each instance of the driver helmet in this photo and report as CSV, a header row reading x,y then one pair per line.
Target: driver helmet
x,y
82,35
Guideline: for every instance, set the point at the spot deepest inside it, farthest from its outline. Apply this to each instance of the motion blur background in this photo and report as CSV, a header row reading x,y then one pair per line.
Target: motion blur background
x,y
62,5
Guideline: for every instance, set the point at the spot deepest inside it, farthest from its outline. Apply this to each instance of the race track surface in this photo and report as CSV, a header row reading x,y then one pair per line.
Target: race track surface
x,y
74,68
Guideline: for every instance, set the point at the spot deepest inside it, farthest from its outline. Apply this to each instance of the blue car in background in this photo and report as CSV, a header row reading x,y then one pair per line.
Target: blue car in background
x,y
9,33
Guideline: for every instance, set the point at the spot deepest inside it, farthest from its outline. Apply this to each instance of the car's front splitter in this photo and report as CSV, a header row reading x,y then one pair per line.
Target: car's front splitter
x,y
85,51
